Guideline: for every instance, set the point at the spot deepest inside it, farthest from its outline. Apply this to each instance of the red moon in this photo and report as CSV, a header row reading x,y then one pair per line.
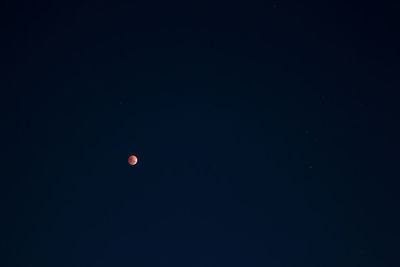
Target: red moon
x,y
132,160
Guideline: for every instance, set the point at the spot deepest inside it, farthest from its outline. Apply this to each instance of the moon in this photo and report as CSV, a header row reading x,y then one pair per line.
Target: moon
x,y
132,160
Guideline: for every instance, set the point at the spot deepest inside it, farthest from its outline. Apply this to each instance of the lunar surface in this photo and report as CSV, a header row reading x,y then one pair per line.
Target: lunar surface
x,y
132,160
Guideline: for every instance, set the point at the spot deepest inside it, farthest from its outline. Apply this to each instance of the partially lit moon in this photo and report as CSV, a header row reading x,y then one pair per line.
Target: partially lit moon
x,y
132,160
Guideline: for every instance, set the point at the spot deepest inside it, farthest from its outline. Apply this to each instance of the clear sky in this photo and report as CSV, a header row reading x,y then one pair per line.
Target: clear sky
x,y
266,134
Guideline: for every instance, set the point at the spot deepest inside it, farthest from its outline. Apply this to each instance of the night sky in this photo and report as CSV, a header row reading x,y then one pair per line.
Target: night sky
x,y
267,134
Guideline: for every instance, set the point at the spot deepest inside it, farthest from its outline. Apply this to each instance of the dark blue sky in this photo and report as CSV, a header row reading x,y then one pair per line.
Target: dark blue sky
x,y
266,133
